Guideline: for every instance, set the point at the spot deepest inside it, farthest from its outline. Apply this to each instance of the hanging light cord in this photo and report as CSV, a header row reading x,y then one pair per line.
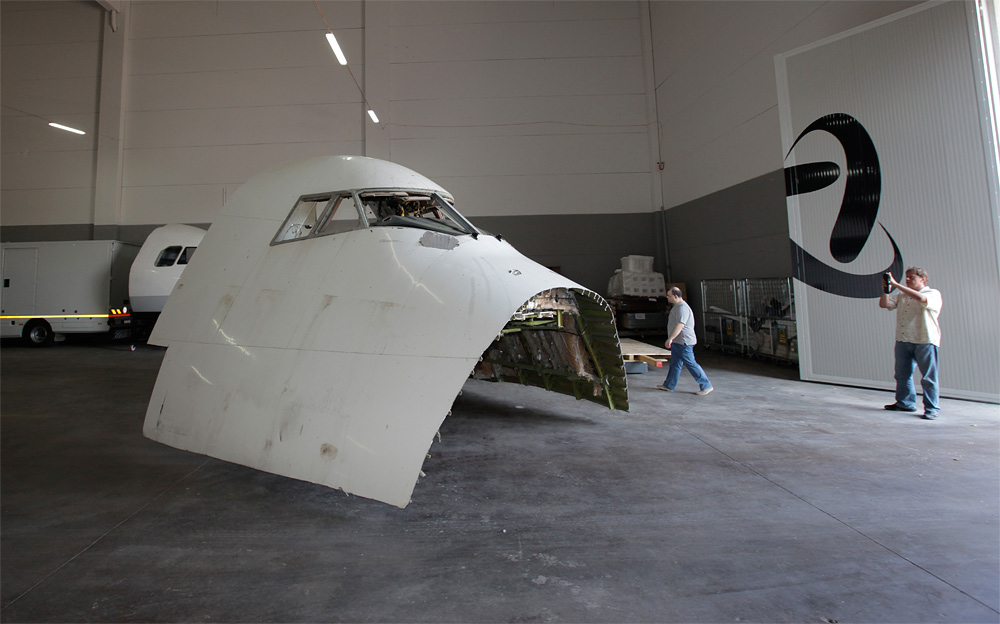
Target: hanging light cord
x,y
323,16
364,97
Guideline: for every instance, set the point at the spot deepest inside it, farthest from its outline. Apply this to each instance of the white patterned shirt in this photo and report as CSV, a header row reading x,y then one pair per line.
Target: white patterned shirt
x,y
917,322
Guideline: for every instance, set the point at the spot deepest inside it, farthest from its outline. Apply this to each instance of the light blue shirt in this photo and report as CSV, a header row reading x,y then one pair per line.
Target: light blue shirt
x,y
681,313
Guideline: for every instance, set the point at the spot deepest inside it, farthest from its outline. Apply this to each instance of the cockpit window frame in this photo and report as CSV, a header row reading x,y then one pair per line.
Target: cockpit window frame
x,y
331,199
335,199
461,226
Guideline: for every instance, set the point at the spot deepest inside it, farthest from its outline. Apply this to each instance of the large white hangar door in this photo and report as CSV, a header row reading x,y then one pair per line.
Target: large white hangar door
x,y
891,161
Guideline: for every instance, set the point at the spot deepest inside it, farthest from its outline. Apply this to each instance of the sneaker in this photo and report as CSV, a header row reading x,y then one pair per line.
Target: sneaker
x,y
664,388
896,407
705,391
930,415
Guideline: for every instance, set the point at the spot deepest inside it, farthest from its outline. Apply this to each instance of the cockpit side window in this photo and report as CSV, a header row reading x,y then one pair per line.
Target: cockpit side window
x,y
186,255
343,216
320,215
168,256
303,218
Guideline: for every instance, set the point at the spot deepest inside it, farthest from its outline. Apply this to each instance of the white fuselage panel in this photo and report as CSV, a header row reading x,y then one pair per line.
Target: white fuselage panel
x,y
331,359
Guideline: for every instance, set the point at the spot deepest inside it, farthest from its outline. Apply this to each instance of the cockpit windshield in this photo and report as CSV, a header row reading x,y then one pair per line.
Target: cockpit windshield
x,y
427,211
324,214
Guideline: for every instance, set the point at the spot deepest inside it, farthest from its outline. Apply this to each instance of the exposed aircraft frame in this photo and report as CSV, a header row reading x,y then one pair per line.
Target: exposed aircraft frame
x,y
332,314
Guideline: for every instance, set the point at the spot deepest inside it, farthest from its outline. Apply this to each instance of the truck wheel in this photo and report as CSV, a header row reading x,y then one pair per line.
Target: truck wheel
x,y
38,333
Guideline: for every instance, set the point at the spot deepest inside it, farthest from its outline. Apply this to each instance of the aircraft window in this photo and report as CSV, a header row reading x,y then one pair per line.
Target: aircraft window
x,y
186,255
303,218
427,211
343,217
168,256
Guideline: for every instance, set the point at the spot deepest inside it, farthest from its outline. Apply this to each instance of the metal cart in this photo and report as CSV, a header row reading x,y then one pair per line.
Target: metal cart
x,y
770,318
723,315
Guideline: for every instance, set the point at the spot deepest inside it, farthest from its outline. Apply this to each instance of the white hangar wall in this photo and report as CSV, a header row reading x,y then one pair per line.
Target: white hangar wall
x,y
524,110
716,93
530,112
465,93
50,69
219,91
537,116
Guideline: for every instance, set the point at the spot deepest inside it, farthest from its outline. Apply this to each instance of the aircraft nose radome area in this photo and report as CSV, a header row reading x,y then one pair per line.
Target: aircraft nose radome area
x,y
271,343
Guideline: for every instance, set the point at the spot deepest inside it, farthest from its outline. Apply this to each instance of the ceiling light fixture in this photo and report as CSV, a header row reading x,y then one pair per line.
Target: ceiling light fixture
x,y
66,128
336,48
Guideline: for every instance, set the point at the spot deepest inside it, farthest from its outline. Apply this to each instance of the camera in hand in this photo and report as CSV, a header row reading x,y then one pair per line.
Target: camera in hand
x,y
886,288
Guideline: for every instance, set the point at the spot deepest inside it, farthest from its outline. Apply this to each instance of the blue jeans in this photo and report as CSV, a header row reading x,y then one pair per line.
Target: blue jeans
x,y
681,356
909,355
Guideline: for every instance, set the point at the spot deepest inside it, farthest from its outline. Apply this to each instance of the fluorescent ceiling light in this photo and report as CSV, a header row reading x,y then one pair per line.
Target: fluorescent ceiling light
x,y
336,48
372,114
66,128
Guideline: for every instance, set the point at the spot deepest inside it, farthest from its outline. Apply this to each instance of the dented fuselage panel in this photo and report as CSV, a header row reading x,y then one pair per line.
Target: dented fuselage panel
x,y
332,314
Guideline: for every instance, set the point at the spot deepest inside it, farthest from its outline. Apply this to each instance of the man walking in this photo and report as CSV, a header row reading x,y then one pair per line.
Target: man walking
x,y
681,341
918,336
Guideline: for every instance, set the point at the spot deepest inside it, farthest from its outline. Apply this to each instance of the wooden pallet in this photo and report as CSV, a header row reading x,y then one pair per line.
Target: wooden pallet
x,y
635,351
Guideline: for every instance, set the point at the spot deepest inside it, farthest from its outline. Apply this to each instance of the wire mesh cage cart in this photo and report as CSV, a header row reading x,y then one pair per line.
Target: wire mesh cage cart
x,y
770,318
724,315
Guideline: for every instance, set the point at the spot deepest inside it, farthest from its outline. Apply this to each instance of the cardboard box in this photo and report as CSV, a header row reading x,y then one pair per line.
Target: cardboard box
x,y
638,264
630,283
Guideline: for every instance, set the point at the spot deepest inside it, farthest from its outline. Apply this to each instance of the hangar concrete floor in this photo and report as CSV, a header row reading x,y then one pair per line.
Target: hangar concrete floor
x,y
770,500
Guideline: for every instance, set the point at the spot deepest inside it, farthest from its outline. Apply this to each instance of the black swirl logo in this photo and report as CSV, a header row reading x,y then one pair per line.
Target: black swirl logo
x,y
858,210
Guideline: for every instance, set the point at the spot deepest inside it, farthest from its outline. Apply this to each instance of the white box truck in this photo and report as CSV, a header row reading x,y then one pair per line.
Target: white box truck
x,y
62,287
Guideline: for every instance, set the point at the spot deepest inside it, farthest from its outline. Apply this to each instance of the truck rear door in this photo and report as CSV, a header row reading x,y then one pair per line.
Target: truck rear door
x,y
18,295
